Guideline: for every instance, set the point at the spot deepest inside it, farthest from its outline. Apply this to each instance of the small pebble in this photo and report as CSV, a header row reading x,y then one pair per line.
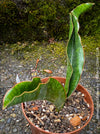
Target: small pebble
x,y
14,130
9,120
71,115
51,108
57,120
47,111
77,100
82,95
78,93
32,112
44,110
69,118
64,106
76,110
13,115
88,105
17,120
78,126
88,117
37,125
67,115
47,130
80,117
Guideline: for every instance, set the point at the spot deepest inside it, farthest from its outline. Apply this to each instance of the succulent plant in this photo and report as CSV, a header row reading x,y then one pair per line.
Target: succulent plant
x,y
53,90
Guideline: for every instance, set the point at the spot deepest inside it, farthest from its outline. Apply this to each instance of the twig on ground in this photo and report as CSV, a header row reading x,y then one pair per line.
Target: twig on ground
x,y
36,117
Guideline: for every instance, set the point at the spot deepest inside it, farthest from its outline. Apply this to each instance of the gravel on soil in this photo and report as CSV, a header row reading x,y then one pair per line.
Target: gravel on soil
x,y
72,116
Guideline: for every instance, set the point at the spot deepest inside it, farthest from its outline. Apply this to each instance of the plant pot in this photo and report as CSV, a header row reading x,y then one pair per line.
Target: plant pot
x,y
87,97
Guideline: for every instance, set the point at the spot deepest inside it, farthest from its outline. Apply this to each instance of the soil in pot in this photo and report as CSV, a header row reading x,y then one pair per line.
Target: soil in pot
x,y
72,116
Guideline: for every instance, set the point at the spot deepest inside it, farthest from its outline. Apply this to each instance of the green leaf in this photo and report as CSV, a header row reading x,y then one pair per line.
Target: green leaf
x,y
81,9
52,91
75,54
18,89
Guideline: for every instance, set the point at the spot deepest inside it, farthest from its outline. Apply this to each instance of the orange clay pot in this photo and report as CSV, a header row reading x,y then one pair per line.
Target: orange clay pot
x,y
87,97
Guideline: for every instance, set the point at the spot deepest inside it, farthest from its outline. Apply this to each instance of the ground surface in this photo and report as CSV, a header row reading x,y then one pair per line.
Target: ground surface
x,y
11,119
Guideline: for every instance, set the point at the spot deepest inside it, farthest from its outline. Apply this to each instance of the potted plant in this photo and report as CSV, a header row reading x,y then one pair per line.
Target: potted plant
x,y
57,90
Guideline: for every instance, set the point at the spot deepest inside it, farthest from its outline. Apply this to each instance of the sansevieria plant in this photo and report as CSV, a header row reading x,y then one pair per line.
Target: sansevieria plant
x,y
53,90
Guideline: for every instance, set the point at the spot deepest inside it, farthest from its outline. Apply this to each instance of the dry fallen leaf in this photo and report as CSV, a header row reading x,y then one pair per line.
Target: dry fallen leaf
x,y
32,104
84,118
35,108
37,63
75,121
47,71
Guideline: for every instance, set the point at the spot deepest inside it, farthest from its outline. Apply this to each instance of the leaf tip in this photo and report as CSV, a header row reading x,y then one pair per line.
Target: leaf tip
x,y
91,3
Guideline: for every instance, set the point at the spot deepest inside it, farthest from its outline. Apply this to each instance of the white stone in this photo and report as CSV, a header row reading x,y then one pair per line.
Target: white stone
x,y
88,117
88,105
69,118
67,115
32,112
43,110
83,95
37,126
78,126
47,130
80,117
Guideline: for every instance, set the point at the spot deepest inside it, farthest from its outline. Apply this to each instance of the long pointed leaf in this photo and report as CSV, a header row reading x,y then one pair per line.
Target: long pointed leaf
x,y
52,91
75,54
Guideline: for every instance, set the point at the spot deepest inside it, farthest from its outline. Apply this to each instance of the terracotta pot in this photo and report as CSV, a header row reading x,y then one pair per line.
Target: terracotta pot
x,y
87,97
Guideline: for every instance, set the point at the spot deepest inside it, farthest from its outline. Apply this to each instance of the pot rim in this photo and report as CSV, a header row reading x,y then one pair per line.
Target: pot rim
x,y
77,130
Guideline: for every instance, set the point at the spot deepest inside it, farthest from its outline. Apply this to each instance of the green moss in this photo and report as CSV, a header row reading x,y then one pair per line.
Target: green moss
x,y
53,52
91,43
